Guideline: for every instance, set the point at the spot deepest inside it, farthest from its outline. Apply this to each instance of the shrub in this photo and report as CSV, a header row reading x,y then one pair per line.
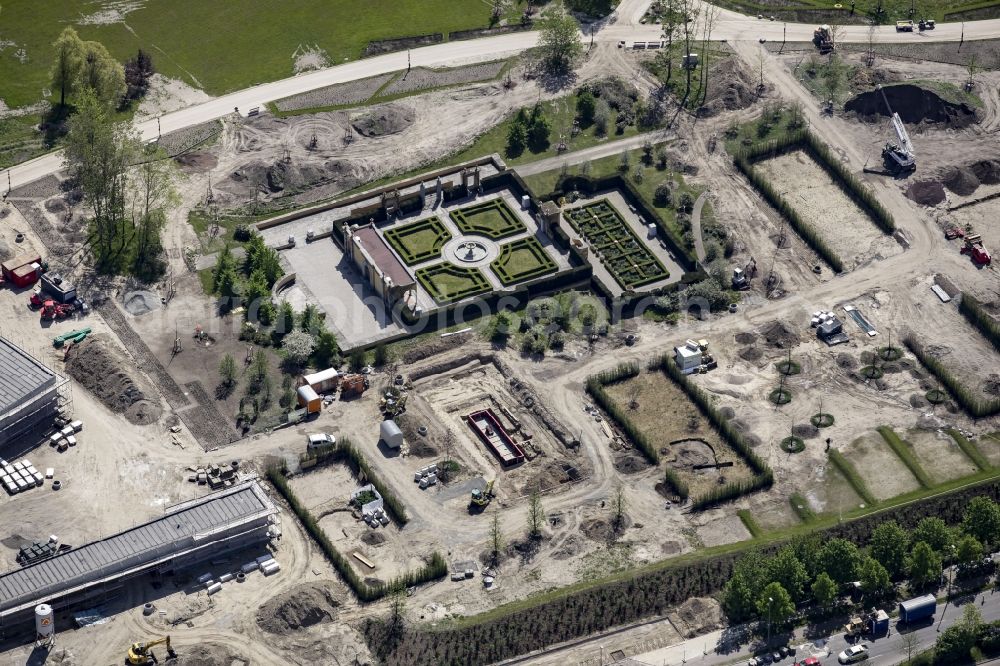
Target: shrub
x,y
793,444
822,420
675,483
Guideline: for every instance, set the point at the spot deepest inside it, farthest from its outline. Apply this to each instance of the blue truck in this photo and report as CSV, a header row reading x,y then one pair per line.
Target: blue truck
x,y
916,609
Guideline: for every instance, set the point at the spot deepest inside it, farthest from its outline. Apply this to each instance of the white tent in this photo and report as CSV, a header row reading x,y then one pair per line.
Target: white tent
x,y
391,434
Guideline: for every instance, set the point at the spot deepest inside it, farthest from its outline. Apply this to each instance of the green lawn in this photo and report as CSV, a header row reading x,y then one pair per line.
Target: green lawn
x,y
446,282
418,241
521,260
560,113
824,11
492,219
220,46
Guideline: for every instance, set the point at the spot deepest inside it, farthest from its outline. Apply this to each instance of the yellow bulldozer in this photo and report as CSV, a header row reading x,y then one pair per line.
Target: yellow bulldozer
x,y
141,654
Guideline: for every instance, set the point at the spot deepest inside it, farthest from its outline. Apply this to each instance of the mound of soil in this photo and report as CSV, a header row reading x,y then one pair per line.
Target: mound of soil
x,y
373,538
600,529
384,120
630,462
746,338
727,412
55,206
992,385
805,431
926,192
779,334
914,105
196,162
102,372
751,354
917,401
987,171
208,655
960,180
5,251
572,546
738,91
297,608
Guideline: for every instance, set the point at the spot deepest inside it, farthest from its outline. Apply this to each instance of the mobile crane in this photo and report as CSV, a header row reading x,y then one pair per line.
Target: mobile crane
x,y
141,654
898,157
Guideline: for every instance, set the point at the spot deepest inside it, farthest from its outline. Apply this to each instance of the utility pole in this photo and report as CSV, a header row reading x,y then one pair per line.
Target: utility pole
x,y
157,129
784,34
962,41
408,61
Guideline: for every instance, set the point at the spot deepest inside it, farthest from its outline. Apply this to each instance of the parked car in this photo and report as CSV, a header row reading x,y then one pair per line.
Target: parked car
x,y
753,661
777,656
783,651
809,661
321,439
853,654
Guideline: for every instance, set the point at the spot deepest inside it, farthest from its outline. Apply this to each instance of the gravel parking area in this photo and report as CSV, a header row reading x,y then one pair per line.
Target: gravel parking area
x,y
352,92
420,78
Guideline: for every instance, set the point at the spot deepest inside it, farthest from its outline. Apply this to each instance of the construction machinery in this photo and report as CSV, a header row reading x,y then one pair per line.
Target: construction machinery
x,y
481,498
53,310
898,156
742,277
926,24
823,39
874,623
141,654
904,26
974,248
353,385
952,233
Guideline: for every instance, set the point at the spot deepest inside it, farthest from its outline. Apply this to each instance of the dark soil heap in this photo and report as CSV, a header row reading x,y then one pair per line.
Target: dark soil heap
x,y
960,180
926,192
384,120
914,105
102,372
297,608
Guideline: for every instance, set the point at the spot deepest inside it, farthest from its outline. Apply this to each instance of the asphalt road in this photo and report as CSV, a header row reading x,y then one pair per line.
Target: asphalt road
x,y
728,26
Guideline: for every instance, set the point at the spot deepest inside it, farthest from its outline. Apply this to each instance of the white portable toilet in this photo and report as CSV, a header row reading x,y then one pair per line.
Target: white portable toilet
x,y
391,434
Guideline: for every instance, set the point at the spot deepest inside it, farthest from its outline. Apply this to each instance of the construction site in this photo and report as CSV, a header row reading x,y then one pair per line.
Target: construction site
x,y
548,370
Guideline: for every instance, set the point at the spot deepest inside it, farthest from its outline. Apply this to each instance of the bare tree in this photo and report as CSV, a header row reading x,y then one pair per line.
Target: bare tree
x,y
711,14
496,538
870,51
536,515
396,623
909,643
972,67
633,395
670,17
618,505
690,16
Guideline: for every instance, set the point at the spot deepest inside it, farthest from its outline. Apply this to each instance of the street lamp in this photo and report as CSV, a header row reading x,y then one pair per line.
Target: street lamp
x,y
770,612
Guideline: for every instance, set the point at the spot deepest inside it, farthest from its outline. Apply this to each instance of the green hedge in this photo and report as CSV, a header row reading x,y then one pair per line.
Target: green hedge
x,y
963,395
800,505
432,278
595,387
543,262
852,476
763,476
435,568
977,315
905,454
495,220
676,483
969,449
750,523
401,239
345,451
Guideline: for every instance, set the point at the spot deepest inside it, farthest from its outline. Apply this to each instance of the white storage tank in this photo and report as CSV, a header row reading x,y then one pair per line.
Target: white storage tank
x,y
45,621
391,434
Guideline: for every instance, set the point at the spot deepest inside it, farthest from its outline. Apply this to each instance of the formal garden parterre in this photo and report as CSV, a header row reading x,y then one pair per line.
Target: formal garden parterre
x,y
418,241
447,283
521,260
625,256
492,219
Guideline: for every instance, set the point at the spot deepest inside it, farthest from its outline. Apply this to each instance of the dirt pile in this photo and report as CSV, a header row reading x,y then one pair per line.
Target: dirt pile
x,y
697,616
779,334
926,192
209,655
914,105
960,180
992,385
373,538
196,162
384,120
738,92
987,171
297,608
100,370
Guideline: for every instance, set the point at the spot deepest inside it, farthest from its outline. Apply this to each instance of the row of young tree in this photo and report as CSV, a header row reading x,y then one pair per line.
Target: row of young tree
x,y
769,588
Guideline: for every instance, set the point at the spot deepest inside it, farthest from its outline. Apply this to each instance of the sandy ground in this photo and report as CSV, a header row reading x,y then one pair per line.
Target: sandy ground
x,y
825,207
166,95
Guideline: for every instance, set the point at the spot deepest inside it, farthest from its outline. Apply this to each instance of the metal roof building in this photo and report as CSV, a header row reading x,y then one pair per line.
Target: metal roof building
x,y
29,392
188,533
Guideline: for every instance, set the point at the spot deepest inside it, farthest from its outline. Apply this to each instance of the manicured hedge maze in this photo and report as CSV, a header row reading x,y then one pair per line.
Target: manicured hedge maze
x,y
492,219
626,257
446,282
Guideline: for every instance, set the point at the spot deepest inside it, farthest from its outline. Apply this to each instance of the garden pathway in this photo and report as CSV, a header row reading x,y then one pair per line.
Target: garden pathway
x,y
699,242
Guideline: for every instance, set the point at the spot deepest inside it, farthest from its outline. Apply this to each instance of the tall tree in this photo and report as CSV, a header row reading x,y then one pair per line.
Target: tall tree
x,y
888,545
227,370
840,559
874,578
152,193
969,550
618,504
102,74
982,520
924,564
785,568
536,515
775,605
708,24
559,40
671,17
68,63
742,590
496,538
935,533
690,16
824,590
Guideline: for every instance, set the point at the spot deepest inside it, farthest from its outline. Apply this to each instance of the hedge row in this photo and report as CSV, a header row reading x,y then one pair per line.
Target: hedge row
x,y
970,449
345,451
749,522
848,182
800,505
763,478
676,483
595,387
977,315
561,616
902,449
852,476
962,394
779,203
434,569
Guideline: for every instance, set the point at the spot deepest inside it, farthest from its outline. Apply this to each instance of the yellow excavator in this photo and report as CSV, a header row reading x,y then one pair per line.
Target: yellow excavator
x,y
141,654
481,498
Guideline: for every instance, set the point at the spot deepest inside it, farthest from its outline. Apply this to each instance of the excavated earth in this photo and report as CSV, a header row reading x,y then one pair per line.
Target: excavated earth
x,y
914,105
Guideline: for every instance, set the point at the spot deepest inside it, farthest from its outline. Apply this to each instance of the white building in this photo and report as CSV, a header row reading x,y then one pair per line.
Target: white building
x,y
688,357
391,434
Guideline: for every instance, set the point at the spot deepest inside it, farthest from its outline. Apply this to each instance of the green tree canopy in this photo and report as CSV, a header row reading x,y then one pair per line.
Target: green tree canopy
x,y
742,590
102,74
840,558
785,568
585,106
559,40
969,550
824,590
874,578
775,604
889,544
924,564
68,63
934,532
982,520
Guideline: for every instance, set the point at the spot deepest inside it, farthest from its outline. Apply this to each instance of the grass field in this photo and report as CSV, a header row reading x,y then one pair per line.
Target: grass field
x,y
521,260
418,241
824,11
219,46
492,219
446,282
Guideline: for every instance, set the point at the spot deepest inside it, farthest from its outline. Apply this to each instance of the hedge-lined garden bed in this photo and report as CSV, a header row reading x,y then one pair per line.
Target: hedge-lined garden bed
x,y
493,219
418,241
522,260
973,405
446,282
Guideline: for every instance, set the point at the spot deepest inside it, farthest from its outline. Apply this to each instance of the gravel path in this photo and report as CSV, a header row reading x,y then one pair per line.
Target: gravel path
x,y
421,78
352,92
